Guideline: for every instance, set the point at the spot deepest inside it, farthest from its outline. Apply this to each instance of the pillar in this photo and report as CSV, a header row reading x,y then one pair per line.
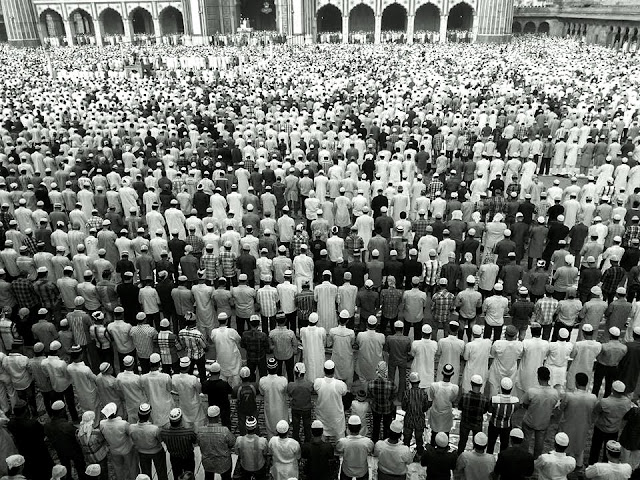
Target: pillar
x,y
377,33
443,28
411,20
157,30
21,23
97,31
128,29
474,26
494,20
282,17
67,31
345,28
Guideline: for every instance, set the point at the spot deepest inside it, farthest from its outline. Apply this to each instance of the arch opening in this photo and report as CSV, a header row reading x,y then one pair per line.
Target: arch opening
x,y
52,26
112,23
329,19
529,27
141,22
394,18
171,21
543,28
361,24
427,18
460,23
261,15
516,28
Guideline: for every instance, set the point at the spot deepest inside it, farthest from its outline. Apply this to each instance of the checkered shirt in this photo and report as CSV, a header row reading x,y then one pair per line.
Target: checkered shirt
x,y
544,310
434,187
381,391
209,263
227,263
390,299
196,242
48,292
142,336
419,228
442,305
267,298
168,347
24,293
193,341
299,239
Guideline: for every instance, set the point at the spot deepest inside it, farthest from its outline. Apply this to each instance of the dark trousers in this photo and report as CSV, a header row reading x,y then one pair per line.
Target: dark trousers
x,y
268,323
29,396
78,463
417,330
105,355
385,419
241,324
286,365
48,399
464,436
545,166
121,359
466,325
260,365
70,401
490,331
180,465
599,439
386,322
296,417
606,373
410,432
201,363
247,475
493,434
556,330
145,365
171,368
546,331
159,460
211,475
292,321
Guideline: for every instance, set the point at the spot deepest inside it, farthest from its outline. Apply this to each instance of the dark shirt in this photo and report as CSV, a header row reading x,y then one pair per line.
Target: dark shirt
x,y
218,391
473,405
256,343
514,463
358,270
440,462
320,460
578,234
394,268
62,435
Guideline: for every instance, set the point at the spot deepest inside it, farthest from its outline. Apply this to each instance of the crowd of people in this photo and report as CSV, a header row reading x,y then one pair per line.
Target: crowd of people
x,y
329,235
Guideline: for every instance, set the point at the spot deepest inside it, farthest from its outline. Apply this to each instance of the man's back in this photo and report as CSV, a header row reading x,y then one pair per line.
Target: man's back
x,y
355,450
440,462
514,463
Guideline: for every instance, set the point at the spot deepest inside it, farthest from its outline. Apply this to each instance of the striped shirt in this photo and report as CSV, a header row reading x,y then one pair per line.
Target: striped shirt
x,y
283,342
415,403
167,345
268,299
37,372
305,303
193,341
227,263
502,408
179,440
143,337
99,336
79,323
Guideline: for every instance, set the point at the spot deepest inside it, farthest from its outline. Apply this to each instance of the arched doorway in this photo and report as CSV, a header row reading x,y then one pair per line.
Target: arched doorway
x,y
112,22
460,17
171,22
516,28
427,18
260,14
394,18
52,24
529,27
141,22
329,19
543,28
361,19
81,25
3,30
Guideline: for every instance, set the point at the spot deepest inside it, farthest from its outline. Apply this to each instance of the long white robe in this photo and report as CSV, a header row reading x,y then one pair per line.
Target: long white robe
x,y
274,390
584,355
176,221
130,385
84,382
129,199
528,171
424,353
188,388
370,348
557,362
442,394
476,354
534,353
203,296
329,406
313,340
342,340
226,341
325,295
505,355
285,454
157,386
450,350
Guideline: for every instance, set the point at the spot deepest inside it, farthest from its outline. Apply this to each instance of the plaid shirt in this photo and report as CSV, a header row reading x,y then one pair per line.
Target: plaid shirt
x,y
496,205
143,338
94,222
631,232
167,343
612,277
473,406
193,341
227,263
522,132
381,391
256,343
249,164
299,239
419,228
305,304
390,299
352,242
415,403
177,184
434,187
30,242
94,448
24,293
544,310
196,242
268,299
442,304
513,187
437,142
208,263
48,292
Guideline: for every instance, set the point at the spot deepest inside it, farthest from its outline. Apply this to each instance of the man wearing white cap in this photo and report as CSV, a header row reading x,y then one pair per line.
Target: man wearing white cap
x,y
188,388
450,350
423,352
226,342
203,299
285,452
613,468
476,464
130,385
180,440
609,414
555,465
540,402
393,456
116,432
606,367
473,405
583,353
313,340
303,267
442,394
355,450
273,388
370,347
62,435
56,370
216,443
329,405
342,339
326,297
84,380
476,356
146,439
514,462
157,387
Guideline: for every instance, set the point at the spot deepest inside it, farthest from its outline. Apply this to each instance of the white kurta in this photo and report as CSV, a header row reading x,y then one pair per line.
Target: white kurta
x,y
274,390
157,386
313,340
203,296
535,351
370,347
476,354
130,385
584,355
342,340
188,389
505,362
329,406
226,341
442,394
557,362
84,381
285,453
450,350
175,221
424,353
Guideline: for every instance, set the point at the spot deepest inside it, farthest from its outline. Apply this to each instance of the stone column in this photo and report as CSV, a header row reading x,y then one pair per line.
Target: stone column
x,y
128,29
68,32
443,28
377,33
97,31
345,29
411,19
21,22
157,29
474,26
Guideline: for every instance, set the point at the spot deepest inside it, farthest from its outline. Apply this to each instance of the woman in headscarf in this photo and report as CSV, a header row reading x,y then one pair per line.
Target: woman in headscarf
x,y
94,446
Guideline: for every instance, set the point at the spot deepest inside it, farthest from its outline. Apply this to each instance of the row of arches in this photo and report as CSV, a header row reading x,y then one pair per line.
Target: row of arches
x,y
81,23
530,27
394,18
